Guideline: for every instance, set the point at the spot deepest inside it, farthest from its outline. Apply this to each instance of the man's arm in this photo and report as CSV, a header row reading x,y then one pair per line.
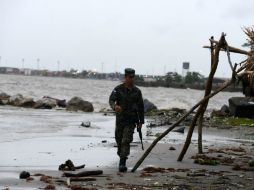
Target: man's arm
x,y
141,108
113,99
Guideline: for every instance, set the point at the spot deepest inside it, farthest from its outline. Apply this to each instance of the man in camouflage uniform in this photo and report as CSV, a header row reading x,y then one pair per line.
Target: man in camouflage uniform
x,y
126,100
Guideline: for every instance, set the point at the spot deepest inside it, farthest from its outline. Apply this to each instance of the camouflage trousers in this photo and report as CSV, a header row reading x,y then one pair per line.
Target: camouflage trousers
x,y
124,136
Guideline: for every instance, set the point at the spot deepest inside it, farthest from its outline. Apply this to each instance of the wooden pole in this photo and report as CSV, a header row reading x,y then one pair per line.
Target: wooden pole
x,y
230,48
146,153
201,116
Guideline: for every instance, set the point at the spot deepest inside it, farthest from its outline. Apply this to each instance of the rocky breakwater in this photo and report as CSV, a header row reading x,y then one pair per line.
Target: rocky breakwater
x,y
46,102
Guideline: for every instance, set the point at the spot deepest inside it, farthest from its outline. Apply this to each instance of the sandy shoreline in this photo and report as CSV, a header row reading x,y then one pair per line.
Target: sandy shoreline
x,y
193,176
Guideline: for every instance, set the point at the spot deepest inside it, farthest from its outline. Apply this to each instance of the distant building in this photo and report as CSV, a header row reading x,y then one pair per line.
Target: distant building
x,y
185,69
9,70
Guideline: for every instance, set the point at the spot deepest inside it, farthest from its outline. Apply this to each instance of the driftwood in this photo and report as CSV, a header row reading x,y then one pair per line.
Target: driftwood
x,y
202,104
139,162
82,179
69,166
83,174
230,48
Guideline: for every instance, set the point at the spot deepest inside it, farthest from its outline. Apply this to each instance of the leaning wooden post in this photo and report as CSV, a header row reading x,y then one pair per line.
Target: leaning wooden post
x,y
146,153
202,107
201,116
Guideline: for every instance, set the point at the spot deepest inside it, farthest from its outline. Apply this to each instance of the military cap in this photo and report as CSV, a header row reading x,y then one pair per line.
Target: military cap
x,y
130,72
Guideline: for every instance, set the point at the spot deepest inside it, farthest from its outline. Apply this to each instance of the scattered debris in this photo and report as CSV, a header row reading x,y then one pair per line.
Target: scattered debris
x,y
82,179
197,173
29,179
69,166
24,175
79,187
172,148
50,187
84,174
46,179
154,170
180,130
86,124
230,151
205,160
238,167
144,174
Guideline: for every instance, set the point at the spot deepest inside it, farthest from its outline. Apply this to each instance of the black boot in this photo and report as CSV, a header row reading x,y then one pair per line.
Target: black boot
x,y
122,165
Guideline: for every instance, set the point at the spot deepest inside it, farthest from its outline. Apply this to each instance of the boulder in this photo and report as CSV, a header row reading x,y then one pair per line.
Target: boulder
x,y
241,106
16,100
224,110
77,103
4,96
27,103
59,102
149,106
45,103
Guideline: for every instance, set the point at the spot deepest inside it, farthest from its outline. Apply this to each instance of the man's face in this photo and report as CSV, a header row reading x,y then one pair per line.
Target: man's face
x,y
129,80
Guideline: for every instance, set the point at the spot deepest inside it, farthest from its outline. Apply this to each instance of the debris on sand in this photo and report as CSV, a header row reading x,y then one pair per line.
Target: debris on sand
x,y
179,130
83,174
46,179
144,174
50,187
149,170
29,179
213,161
24,175
86,124
79,187
82,179
205,160
154,170
238,167
69,166
239,151
172,148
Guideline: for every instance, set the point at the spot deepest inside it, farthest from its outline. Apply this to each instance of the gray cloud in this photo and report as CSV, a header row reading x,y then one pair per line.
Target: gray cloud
x,y
145,34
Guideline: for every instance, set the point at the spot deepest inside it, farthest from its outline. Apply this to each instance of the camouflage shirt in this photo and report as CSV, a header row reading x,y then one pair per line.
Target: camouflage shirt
x,y
131,102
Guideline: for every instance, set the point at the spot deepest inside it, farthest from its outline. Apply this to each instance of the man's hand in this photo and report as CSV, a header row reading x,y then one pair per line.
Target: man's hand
x,y
139,127
118,109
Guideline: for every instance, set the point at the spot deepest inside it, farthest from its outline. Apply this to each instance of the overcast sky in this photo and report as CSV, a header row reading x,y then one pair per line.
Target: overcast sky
x,y
149,35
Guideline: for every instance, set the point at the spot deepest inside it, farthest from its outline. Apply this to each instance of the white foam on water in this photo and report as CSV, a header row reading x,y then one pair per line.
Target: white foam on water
x,y
98,91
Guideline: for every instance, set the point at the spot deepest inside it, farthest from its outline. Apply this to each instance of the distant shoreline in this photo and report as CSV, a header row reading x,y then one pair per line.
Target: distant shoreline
x,y
201,87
